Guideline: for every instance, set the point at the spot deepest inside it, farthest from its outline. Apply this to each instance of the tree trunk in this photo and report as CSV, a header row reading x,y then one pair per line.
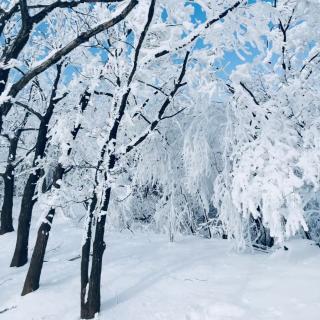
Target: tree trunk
x,y
206,221
260,233
85,262
8,177
34,272
91,297
6,212
20,256
4,74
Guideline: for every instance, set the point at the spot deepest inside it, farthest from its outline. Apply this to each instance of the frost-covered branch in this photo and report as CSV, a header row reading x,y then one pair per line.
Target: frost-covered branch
x,y
249,92
34,112
154,124
185,42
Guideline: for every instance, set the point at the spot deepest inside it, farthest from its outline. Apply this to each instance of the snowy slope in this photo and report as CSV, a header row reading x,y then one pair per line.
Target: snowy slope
x,y
146,278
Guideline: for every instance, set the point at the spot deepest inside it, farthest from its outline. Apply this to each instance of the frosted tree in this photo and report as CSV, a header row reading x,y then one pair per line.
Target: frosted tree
x,y
17,130
188,157
55,181
59,159
17,38
113,149
271,117
17,26
20,256
115,128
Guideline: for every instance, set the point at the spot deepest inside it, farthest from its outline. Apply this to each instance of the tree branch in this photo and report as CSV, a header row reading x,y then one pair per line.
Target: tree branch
x,y
153,86
173,115
309,61
58,55
37,114
22,158
141,39
154,124
194,36
101,93
7,16
250,93
5,135
24,12
63,4
122,106
28,129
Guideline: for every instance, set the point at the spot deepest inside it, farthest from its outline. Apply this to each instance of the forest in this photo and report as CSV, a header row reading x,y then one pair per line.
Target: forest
x,y
160,159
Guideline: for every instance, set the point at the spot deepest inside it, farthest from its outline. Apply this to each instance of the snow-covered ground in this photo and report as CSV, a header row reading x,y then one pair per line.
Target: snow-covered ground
x,y
145,277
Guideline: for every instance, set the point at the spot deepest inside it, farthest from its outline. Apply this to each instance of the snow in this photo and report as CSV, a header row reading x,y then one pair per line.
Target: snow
x,y
146,277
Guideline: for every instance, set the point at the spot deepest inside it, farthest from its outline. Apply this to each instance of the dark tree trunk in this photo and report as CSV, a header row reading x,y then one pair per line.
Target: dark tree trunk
x,y
20,256
4,74
265,238
90,287
34,272
8,178
6,212
85,261
260,233
206,220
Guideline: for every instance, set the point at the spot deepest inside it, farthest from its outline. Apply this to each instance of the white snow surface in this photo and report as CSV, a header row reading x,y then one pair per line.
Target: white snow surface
x,y
147,278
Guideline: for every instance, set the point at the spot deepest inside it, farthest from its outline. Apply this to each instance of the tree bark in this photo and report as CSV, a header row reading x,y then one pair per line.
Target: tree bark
x,y
4,74
20,256
6,212
263,239
85,262
34,272
8,178
90,287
